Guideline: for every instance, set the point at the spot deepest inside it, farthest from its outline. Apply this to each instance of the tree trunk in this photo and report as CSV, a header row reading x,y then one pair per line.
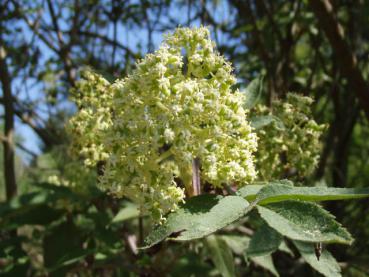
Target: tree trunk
x,y
8,141
347,61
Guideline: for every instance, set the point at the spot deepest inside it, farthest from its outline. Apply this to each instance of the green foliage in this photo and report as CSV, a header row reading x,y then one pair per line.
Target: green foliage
x,y
326,265
264,242
199,217
205,214
62,246
128,211
60,224
266,262
304,221
284,211
253,92
221,255
280,191
259,122
238,243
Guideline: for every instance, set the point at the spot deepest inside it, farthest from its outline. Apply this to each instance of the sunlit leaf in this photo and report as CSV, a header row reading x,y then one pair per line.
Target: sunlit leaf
x,y
198,217
277,191
281,192
304,221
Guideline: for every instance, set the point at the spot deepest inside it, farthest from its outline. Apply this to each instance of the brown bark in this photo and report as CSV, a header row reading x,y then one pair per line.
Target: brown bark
x,y
346,59
8,141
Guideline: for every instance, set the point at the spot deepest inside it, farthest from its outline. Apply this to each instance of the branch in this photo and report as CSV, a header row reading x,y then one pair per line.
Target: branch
x,y
55,23
4,139
48,137
107,40
347,61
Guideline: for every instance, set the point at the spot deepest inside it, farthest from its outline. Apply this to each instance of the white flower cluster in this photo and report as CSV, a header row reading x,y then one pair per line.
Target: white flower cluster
x,y
177,105
94,100
294,151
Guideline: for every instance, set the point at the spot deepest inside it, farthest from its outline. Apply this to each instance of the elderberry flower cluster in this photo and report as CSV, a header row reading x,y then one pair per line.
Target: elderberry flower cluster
x,y
292,151
178,105
87,128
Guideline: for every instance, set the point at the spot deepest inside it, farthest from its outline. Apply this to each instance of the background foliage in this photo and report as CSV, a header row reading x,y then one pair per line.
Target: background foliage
x,y
317,48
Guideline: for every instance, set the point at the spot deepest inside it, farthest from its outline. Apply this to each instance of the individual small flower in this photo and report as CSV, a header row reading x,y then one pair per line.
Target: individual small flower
x,y
169,135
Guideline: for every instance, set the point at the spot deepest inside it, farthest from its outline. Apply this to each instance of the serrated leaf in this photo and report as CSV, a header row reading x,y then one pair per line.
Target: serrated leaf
x,y
264,241
266,262
304,221
327,264
253,92
198,217
221,255
278,191
259,122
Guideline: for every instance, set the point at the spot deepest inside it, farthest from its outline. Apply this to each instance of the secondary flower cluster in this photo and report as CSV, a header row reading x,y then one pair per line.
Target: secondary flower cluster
x,y
178,105
93,97
291,152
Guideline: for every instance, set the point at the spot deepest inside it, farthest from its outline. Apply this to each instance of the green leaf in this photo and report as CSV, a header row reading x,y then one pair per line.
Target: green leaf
x,y
266,262
198,217
304,221
190,265
259,122
284,248
264,241
278,191
249,192
32,208
221,255
32,215
33,198
129,211
237,243
327,264
253,92
16,261
62,246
